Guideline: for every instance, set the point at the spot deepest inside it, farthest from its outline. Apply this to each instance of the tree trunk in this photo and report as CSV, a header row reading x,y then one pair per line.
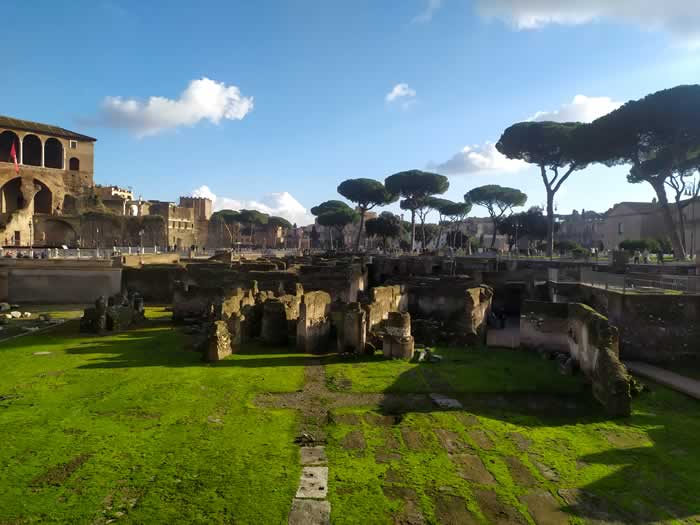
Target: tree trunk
x,y
550,223
493,236
413,230
359,233
681,223
330,232
679,252
422,230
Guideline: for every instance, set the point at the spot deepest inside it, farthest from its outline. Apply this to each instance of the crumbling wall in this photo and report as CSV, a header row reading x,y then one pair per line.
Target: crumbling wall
x,y
591,342
314,322
155,283
218,344
384,299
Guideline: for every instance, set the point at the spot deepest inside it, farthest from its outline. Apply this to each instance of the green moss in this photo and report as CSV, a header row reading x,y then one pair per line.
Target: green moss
x,y
168,439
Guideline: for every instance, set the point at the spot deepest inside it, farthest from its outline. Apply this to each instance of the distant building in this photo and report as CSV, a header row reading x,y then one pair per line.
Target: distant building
x,y
54,172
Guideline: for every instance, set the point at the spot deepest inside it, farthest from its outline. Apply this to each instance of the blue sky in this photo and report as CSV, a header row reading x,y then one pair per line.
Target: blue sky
x,y
319,73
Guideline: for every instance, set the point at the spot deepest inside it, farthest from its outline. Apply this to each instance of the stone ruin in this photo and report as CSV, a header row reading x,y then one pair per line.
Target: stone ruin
x,y
581,339
118,312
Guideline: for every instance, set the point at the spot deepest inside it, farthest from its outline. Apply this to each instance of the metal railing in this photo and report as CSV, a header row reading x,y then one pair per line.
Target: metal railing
x,y
630,284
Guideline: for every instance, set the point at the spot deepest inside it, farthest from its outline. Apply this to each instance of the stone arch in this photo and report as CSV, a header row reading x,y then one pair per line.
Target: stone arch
x,y
31,150
7,138
43,198
11,197
55,232
53,153
74,164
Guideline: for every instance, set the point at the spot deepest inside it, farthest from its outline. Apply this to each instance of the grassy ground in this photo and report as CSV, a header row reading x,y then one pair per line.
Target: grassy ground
x,y
461,371
527,458
133,426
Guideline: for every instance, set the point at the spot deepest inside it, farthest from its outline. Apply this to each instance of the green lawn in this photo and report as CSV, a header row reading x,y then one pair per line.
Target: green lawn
x,y
134,426
641,469
461,371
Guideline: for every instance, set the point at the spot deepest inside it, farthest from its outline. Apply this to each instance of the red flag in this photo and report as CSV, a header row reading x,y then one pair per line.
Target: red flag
x,y
13,156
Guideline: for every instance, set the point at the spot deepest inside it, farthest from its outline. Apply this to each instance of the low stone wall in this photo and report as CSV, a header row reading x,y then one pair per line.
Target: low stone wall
x,y
138,260
591,341
314,323
57,282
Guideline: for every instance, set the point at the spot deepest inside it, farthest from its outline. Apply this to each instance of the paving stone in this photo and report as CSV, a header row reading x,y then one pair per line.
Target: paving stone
x,y
41,353
313,455
520,441
346,419
451,441
520,473
445,402
452,510
593,509
471,468
379,420
496,511
481,439
469,420
386,457
391,442
413,439
410,514
354,440
544,508
313,483
393,476
310,512
547,472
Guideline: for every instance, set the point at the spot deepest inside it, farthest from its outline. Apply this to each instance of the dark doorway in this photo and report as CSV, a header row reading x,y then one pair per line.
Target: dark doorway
x,y
53,154
31,150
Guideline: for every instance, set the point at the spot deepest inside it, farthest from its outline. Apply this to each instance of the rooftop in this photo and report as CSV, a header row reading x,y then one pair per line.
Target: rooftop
x,y
46,129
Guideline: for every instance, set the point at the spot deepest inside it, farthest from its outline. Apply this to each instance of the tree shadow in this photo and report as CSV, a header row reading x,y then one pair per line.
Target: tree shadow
x,y
656,480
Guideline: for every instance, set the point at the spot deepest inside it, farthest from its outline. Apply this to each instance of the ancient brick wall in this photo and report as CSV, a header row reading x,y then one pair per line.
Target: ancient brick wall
x,y
314,323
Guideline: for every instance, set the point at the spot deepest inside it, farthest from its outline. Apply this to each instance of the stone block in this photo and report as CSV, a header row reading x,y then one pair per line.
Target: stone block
x,y
218,342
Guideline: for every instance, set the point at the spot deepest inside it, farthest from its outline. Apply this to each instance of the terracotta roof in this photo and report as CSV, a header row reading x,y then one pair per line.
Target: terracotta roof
x,y
45,129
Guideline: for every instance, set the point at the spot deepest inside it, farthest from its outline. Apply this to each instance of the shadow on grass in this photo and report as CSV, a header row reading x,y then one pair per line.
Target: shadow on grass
x,y
654,479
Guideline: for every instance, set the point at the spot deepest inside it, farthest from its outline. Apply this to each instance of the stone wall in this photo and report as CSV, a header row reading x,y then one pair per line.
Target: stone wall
x,y
156,283
52,281
384,299
589,339
656,328
314,323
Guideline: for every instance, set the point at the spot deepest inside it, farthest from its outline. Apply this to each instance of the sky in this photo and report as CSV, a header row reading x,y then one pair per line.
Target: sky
x,y
271,104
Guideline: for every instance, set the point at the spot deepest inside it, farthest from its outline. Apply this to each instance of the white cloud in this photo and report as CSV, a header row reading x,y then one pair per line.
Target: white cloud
x,y
477,159
281,204
580,109
427,14
680,18
400,91
203,99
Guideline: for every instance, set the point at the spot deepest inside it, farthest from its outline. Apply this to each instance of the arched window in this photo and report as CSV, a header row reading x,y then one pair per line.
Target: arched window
x,y
7,138
53,154
31,150
74,164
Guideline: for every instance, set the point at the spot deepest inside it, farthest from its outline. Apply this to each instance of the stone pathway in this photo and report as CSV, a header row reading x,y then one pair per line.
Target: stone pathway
x,y
677,382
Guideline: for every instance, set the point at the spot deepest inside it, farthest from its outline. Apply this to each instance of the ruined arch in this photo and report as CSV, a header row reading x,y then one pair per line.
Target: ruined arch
x,y
31,150
54,232
7,138
74,164
43,198
11,198
53,153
